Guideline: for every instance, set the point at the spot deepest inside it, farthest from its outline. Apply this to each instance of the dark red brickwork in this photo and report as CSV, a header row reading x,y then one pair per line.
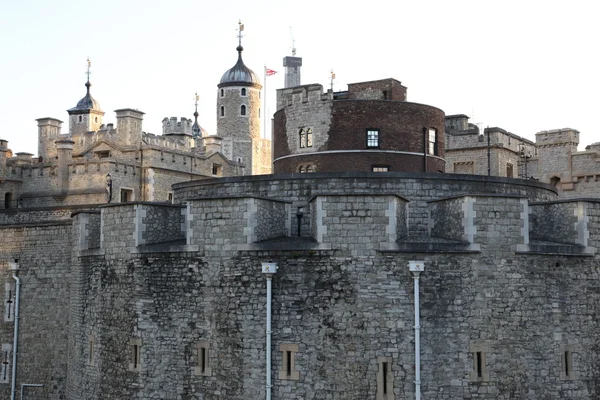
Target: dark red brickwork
x,y
401,128
356,162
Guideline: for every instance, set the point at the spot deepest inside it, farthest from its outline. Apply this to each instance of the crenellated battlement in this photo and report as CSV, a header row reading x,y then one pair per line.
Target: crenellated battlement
x,y
174,126
312,93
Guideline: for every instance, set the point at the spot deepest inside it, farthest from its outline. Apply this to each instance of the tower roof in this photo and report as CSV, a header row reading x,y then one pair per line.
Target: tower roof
x,y
88,103
240,74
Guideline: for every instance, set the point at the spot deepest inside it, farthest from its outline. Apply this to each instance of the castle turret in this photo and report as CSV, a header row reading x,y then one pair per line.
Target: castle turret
x,y
86,116
129,126
238,117
48,132
64,150
292,70
554,150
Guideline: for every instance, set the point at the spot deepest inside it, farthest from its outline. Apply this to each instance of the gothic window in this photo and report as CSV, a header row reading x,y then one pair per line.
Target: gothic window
x,y
302,135
373,138
432,142
222,111
305,137
243,91
243,110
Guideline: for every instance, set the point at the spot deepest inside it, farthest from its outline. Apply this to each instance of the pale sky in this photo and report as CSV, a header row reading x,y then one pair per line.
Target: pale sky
x,y
525,66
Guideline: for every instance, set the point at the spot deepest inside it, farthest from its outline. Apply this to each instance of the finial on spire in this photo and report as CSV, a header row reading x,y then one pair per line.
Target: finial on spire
x,y
88,72
196,127
240,30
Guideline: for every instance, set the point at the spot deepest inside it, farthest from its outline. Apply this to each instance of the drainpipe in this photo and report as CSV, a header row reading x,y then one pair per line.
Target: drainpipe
x,y
14,266
269,269
416,267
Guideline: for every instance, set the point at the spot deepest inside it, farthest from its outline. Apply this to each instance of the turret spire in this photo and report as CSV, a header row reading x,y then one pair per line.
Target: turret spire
x,y
88,83
196,127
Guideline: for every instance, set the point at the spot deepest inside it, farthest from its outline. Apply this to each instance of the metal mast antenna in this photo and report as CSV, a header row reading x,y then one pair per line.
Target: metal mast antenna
x,y
293,42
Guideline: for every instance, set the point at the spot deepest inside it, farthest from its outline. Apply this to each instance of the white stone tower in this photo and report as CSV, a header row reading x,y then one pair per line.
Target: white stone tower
x,y
239,117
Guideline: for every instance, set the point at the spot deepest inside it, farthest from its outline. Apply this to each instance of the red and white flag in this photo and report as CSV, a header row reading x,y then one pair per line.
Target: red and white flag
x,y
269,72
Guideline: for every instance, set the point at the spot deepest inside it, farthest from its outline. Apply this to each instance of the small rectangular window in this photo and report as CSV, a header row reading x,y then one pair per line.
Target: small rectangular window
x,y
288,365
202,366
372,138
380,168
135,355
5,362
126,195
567,373
385,379
479,373
9,301
509,170
217,169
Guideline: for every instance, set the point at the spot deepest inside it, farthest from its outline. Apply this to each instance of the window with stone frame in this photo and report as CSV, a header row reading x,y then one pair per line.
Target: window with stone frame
x,y
372,138
305,137
135,357
243,91
5,360
288,364
222,111
202,365
509,170
243,110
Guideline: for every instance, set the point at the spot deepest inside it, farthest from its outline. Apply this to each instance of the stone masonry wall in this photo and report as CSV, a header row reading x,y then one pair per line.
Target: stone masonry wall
x,y
44,254
159,223
447,219
554,222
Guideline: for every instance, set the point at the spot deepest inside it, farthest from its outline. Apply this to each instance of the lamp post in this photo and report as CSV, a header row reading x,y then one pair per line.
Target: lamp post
x,y
108,187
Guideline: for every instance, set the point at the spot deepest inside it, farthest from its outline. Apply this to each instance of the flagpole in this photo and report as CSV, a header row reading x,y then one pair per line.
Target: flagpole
x,y
265,104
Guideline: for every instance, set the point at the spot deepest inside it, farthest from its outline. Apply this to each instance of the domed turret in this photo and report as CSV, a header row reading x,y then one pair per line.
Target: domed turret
x,y
239,74
239,117
86,116
87,103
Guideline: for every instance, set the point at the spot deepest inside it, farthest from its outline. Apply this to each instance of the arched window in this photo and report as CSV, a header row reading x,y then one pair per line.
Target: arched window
x,y
7,200
243,91
309,168
80,118
309,137
302,137
301,169
96,119
222,111
243,110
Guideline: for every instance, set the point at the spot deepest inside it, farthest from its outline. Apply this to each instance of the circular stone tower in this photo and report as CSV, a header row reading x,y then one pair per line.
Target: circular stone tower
x,y
238,117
